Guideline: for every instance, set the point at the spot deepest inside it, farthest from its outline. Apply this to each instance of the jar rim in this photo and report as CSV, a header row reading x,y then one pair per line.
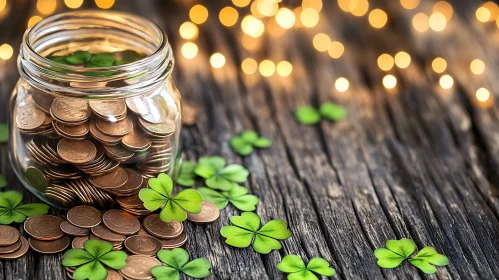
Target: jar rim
x,y
34,66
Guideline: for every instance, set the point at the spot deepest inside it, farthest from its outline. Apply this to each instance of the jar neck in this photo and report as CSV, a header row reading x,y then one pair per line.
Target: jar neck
x,y
95,31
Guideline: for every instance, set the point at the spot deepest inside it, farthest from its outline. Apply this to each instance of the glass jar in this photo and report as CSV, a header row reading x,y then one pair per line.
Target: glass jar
x,y
95,112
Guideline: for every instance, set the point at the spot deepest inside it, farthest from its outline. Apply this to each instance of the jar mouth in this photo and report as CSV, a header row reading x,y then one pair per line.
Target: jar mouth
x,y
95,31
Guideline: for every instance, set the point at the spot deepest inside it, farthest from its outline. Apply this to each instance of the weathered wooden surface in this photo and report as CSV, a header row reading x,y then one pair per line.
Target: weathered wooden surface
x,y
417,162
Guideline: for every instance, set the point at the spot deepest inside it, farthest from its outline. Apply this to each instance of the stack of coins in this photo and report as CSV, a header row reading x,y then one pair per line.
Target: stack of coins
x,y
12,244
133,205
95,152
46,234
138,267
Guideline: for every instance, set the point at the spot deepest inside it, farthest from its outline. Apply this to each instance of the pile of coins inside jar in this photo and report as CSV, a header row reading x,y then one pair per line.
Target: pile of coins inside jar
x,y
95,152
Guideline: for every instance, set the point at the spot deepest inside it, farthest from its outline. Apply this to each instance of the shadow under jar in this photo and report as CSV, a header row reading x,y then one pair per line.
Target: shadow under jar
x,y
95,112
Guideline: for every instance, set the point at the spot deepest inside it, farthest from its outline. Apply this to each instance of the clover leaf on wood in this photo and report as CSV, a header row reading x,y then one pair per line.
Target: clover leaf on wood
x,y
187,177
237,196
244,144
427,258
159,195
11,209
308,115
218,176
92,258
297,270
246,229
178,261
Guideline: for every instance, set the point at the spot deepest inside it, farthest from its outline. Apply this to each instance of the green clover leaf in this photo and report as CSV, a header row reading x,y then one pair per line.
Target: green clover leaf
x,y
332,111
4,133
92,258
219,177
296,269
427,258
244,144
3,181
174,207
187,177
307,115
78,57
11,209
178,261
237,196
247,226
103,60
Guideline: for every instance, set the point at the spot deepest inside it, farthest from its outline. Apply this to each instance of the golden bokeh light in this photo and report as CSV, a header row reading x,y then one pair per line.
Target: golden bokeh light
x,y
344,5
443,7
198,14
389,81
46,6
250,43
73,4
297,13
34,20
483,14
335,49
493,9
217,60
437,21
482,94
254,10
477,66
241,3
267,8
439,65
274,28
359,7
284,68
409,4
446,81
321,42
313,4
309,17
189,50
252,26
266,68
3,4
104,4
421,22
341,84
188,30
249,66
402,59
228,16
285,18
377,18
385,62
6,51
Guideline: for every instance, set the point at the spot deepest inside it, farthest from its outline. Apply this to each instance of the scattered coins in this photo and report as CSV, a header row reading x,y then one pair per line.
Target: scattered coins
x,y
139,267
44,227
103,232
78,242
121,222
8,235
156,227
49,247
73,230
11,243
143,245
17,253
176,242
209,213
84,216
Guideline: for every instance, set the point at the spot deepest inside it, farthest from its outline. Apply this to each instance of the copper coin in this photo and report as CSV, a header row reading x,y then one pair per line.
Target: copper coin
x,y
121,222
115,243
42,100
84,216
174,242
103,232
132,201
78,242
72,131
101,137
134,182
143,245
71,110
76,151
155,226
36,178
118,153
166,127
113,275
113,180
11,248
139,267
49,247
73,230
29,117
108,108
44,227
118,128
209,213
8,235
136,140
18,253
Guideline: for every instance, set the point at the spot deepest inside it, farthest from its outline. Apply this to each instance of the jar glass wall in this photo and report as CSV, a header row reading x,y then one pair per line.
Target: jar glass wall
x,y
95,112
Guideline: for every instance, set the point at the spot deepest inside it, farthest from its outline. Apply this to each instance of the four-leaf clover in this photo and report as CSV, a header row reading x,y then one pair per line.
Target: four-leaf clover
x,y
238,196
187,177
244,144
178,261
297,270
397,251
309,115
93,258
247,226
159,195
11,209
219,177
